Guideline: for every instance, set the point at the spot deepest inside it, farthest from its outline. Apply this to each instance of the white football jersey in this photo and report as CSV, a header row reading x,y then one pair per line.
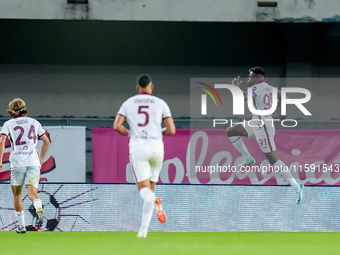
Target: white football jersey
x,y
144,113
23,133
262,98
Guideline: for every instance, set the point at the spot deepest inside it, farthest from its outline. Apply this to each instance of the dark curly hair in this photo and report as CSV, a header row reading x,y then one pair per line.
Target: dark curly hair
x,y
258,70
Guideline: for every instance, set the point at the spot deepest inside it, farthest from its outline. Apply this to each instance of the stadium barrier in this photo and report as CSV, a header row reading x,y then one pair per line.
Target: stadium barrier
x,y
65,153
207,208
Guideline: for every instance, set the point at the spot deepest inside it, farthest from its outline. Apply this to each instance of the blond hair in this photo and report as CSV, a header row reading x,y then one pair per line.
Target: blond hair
x,y
17,107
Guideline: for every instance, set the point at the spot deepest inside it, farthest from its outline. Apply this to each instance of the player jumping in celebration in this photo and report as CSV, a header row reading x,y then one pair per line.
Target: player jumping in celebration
x,y
145,113
262,129
23,133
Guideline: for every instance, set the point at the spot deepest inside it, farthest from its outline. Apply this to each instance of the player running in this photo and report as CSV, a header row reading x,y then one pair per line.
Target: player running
x,y
261,128
23,133
145,113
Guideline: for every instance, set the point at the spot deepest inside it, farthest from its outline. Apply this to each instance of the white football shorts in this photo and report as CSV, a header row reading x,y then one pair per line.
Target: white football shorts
x,y
25,175
146,165
264,134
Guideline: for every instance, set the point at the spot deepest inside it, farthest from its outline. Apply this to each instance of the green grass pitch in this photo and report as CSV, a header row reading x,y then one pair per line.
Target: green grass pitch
x,y
174,243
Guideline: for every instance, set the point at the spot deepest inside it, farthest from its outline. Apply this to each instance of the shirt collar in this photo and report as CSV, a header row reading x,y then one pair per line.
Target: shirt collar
x,y
259,82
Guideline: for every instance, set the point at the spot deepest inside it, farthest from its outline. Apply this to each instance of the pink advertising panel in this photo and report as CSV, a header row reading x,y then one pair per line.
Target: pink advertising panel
x,y
208,157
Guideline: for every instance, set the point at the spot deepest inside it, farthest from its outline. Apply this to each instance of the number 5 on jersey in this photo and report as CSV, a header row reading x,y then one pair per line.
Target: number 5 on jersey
x,y
141,111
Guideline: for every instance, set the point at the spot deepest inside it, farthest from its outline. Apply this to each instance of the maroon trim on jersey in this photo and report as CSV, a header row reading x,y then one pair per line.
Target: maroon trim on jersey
x,y
144,93
265,130
261,120
122,115
4,134
236,139
270,145
254,102
260,81
46,133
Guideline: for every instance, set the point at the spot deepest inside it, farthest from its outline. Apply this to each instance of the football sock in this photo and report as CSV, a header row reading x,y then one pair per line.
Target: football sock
x,y
149,204
286,175
37,204
238,143
21,218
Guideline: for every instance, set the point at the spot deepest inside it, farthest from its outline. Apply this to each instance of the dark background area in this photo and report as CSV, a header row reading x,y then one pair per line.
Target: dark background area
x,y
167,43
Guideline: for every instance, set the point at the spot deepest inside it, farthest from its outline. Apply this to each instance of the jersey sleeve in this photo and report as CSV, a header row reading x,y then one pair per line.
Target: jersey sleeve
x,y
254,91
40,130
166,111
4,130
123,109
257,90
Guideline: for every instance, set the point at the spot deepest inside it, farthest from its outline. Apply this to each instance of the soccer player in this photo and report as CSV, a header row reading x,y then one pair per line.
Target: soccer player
x,y
145,113
264,130
23,133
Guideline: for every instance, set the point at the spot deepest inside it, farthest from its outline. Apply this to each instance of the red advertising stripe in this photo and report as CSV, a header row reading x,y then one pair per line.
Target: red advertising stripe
x,y
7,144
5,157
48,165
5,176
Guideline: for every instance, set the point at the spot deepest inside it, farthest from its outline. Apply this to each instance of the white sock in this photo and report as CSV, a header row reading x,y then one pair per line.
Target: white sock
x,y
21,218
238,143
149,204
286,175
37,204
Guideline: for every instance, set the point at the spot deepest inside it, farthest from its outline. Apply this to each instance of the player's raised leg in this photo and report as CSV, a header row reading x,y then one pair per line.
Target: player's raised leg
x,y
234,134
158,205
35,198
286,174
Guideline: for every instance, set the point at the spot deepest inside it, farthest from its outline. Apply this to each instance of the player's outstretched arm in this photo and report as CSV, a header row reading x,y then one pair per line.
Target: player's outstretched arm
x,y
2,148
44,147
118,125
237,82
170,128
